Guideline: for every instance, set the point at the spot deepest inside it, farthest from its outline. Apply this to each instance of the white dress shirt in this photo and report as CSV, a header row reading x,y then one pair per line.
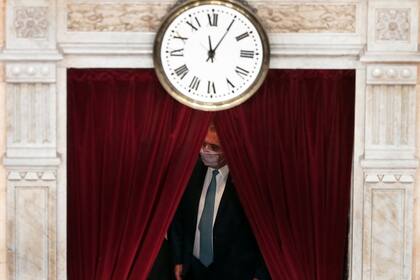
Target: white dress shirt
x,y
220,188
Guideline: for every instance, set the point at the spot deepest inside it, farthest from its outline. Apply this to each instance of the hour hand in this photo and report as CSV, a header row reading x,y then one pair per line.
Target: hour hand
x,y
210,52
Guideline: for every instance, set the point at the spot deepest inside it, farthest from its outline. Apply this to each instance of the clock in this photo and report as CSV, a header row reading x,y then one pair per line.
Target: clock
x,y
211,54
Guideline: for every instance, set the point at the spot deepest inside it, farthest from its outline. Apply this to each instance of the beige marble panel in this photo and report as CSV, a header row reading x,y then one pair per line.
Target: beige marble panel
x,y
3,266
31,231
308,18
115,17
277,17
387,244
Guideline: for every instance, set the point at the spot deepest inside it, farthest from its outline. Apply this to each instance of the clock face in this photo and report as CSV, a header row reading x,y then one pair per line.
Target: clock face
x,y
212,55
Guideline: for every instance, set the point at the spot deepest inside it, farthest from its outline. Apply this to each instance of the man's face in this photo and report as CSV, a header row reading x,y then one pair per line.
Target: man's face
x,y
211,151
212,141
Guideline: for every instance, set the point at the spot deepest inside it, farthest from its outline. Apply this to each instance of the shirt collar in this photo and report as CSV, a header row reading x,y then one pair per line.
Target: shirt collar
x,y
223,171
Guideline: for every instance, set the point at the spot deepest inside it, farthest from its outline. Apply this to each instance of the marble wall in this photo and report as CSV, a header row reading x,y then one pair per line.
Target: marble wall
x,y
2,151
378,38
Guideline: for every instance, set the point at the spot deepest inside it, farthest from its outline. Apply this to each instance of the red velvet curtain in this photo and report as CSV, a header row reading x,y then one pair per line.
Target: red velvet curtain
x,y
290,154
131,151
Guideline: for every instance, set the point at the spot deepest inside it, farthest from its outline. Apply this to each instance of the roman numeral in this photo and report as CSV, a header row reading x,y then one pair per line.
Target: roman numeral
x,y
247,54
196,19
242,36
211,87
195,82
179,52
181,38
230,84
182,71
241,72
192,25
213,19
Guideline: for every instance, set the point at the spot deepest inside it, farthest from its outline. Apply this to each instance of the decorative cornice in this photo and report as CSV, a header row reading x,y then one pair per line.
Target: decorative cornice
x,y
146,17
390,56
14,163
31,22
30,55
405,164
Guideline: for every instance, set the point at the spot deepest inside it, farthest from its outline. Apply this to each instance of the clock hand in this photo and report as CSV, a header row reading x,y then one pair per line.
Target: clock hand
x,y
223,37
210,52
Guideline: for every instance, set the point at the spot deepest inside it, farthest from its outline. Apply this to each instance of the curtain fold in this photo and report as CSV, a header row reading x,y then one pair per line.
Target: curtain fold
x,y
131,151
289,149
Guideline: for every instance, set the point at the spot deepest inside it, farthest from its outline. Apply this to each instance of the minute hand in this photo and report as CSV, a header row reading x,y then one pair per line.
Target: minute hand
x,y
224,35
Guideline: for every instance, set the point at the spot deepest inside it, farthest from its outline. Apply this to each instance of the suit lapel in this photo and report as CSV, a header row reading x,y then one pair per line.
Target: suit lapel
x,y
196,189
224,201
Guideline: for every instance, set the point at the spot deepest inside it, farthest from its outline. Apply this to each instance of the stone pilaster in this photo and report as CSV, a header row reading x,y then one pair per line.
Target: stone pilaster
x,y
2,151
416,245
31,159
389,163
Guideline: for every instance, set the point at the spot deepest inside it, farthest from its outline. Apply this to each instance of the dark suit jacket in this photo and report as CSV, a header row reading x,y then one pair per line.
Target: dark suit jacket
x,y
162,269
236,254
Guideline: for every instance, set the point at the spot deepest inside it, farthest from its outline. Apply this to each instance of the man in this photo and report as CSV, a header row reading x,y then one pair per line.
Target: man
x,y
210,235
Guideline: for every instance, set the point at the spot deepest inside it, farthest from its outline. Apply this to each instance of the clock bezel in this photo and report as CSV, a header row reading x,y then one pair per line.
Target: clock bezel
x,y
210,106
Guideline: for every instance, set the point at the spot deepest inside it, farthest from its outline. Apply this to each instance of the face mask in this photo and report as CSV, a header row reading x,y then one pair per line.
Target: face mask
x,y
210,158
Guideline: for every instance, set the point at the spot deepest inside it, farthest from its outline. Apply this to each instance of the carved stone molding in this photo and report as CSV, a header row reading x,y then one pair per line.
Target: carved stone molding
x,y
391,74
42,175
30,73
307,18
31,22
280,18
389,178
115,17
393,24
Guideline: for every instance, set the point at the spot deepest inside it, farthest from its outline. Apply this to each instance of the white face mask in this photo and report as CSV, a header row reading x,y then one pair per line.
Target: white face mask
x,y
211,158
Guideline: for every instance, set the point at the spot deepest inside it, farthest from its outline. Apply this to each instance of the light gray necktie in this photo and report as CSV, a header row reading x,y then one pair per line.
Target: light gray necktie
x,y
206,223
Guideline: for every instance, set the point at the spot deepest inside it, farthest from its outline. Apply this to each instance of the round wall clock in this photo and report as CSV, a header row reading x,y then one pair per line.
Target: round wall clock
x,y
211,55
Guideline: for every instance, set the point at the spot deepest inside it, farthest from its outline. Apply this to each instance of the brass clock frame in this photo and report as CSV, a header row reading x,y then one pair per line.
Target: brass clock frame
x,y
210,106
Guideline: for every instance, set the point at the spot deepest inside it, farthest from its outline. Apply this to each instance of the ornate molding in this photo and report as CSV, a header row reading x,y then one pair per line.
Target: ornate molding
x,y
308,18
389,178
115,17
392,24
146,17
30,72
44,175
391,74
31,22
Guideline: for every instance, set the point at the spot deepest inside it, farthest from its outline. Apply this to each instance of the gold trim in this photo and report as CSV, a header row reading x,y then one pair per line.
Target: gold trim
x,y
210,106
